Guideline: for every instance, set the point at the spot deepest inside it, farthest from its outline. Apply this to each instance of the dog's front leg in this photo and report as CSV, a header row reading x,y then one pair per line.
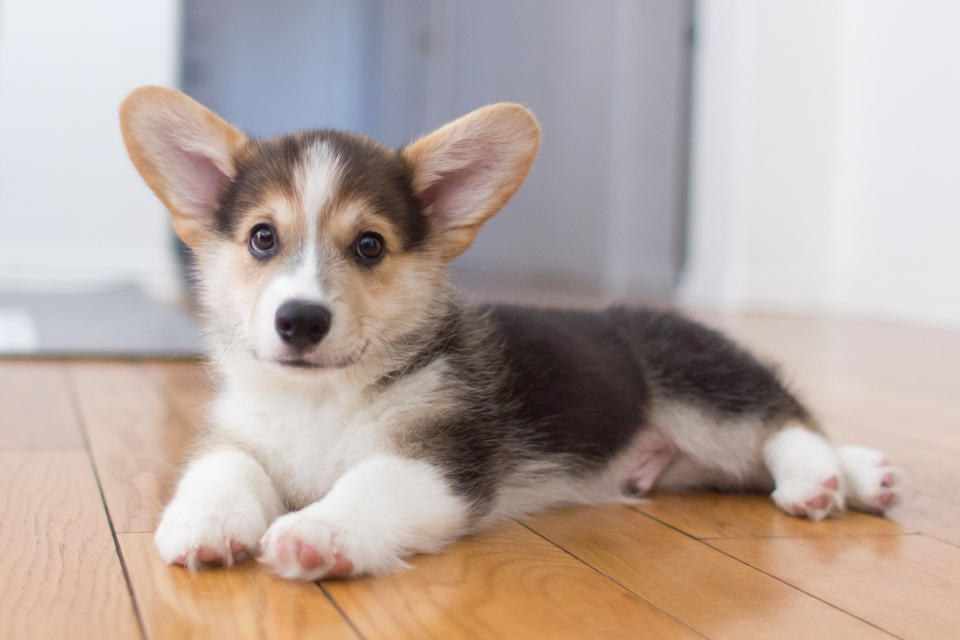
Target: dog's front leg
x,y
383,509
222,506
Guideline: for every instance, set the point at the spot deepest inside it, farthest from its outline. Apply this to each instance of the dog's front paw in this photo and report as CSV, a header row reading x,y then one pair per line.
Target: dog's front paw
x,y
304,547
197,530
311,544
873,484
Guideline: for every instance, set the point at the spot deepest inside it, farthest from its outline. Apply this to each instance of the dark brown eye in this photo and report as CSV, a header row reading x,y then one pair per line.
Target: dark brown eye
x,y
369,247
263,240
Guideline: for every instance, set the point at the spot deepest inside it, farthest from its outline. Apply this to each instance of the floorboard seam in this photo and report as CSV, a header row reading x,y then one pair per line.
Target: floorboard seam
x,y
343,614
608,577
932,537
704,541
75,404
815,537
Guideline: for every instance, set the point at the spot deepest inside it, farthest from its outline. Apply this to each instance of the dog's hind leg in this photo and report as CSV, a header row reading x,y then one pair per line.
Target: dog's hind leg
x,y
652,454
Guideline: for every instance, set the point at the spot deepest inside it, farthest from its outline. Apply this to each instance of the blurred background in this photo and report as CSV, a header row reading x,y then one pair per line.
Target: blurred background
x,y
796,156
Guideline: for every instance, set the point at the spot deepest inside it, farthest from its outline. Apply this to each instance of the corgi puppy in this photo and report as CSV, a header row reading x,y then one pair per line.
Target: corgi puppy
x,y
365,414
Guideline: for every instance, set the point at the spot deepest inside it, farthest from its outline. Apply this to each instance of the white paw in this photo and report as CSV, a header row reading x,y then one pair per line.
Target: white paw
x,y
208,529
808,498
806,473
302,546
873,484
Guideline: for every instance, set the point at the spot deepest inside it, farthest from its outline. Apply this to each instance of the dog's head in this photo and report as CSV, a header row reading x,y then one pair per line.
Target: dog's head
x,y
321,249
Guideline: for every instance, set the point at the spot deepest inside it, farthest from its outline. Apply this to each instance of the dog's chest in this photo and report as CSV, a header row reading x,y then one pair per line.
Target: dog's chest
x,y
304,443
307,439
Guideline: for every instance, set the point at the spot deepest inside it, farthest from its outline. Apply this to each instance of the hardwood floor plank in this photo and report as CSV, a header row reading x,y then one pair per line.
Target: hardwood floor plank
x,y
904,584
856,411
186,384
36,409
718,515
931,515
242,602
876,352
505,583
709,591
137,439
61,577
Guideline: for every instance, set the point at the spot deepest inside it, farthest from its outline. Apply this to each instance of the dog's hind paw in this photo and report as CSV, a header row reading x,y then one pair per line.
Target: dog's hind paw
x,y
873,484
813,500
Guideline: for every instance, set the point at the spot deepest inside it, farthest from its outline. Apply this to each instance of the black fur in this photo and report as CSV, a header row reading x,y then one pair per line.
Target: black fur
x,y
577,386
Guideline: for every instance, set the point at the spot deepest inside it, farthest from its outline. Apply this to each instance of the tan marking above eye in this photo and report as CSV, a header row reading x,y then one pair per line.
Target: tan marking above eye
x,y
344,224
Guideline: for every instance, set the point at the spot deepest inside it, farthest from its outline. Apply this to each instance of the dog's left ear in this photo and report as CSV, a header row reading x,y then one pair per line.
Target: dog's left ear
x,y
465,171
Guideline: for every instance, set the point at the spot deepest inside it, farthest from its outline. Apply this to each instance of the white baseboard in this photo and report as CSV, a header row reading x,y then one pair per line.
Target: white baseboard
x,y
931,305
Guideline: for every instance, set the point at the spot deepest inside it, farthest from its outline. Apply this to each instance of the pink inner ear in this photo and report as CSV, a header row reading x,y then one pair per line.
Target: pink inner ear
x,y
454,194
201,182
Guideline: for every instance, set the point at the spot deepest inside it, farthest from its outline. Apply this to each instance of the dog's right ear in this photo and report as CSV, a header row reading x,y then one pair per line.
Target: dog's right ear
x,y
185,153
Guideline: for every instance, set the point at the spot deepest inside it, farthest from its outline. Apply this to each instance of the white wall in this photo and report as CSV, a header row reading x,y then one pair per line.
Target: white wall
x,y
826,158
73,211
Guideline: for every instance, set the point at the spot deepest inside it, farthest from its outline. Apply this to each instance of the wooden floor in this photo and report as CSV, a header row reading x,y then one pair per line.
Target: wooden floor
x,y
88,453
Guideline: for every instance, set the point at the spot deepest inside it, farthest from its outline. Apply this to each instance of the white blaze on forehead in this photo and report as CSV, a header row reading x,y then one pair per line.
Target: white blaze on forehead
x,y
317,180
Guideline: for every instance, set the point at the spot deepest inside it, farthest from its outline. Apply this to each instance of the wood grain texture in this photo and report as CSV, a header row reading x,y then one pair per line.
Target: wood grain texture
x,y
505,583
933,515
711,592
61,577
243,602
35,409
755,573
137,438
906,585
718,515
187,386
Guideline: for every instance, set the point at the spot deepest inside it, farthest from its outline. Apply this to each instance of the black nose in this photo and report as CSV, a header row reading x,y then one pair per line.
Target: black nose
x,y
302,324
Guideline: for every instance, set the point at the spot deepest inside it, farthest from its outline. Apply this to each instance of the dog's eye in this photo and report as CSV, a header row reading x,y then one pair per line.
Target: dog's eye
x,y
369,247
263,240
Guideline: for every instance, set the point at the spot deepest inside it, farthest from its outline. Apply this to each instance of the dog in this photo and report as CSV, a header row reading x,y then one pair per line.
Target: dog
x,y
364,413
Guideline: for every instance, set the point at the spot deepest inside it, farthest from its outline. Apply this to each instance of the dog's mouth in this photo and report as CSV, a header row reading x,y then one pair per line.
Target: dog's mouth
x,y
342,363
300,364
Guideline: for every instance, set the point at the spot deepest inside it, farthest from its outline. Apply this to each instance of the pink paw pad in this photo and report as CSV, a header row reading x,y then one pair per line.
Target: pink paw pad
x,y
208,555
822,500
873,484
310,559
886,496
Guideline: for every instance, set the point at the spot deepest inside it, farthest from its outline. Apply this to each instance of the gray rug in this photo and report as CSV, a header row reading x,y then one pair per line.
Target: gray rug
x,y
122,322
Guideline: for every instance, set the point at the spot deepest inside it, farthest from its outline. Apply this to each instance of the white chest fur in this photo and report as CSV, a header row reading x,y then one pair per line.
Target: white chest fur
x,y
307,433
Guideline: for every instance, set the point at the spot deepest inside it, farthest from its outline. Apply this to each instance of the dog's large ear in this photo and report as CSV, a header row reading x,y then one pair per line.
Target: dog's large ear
x,y
465,171
185,153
